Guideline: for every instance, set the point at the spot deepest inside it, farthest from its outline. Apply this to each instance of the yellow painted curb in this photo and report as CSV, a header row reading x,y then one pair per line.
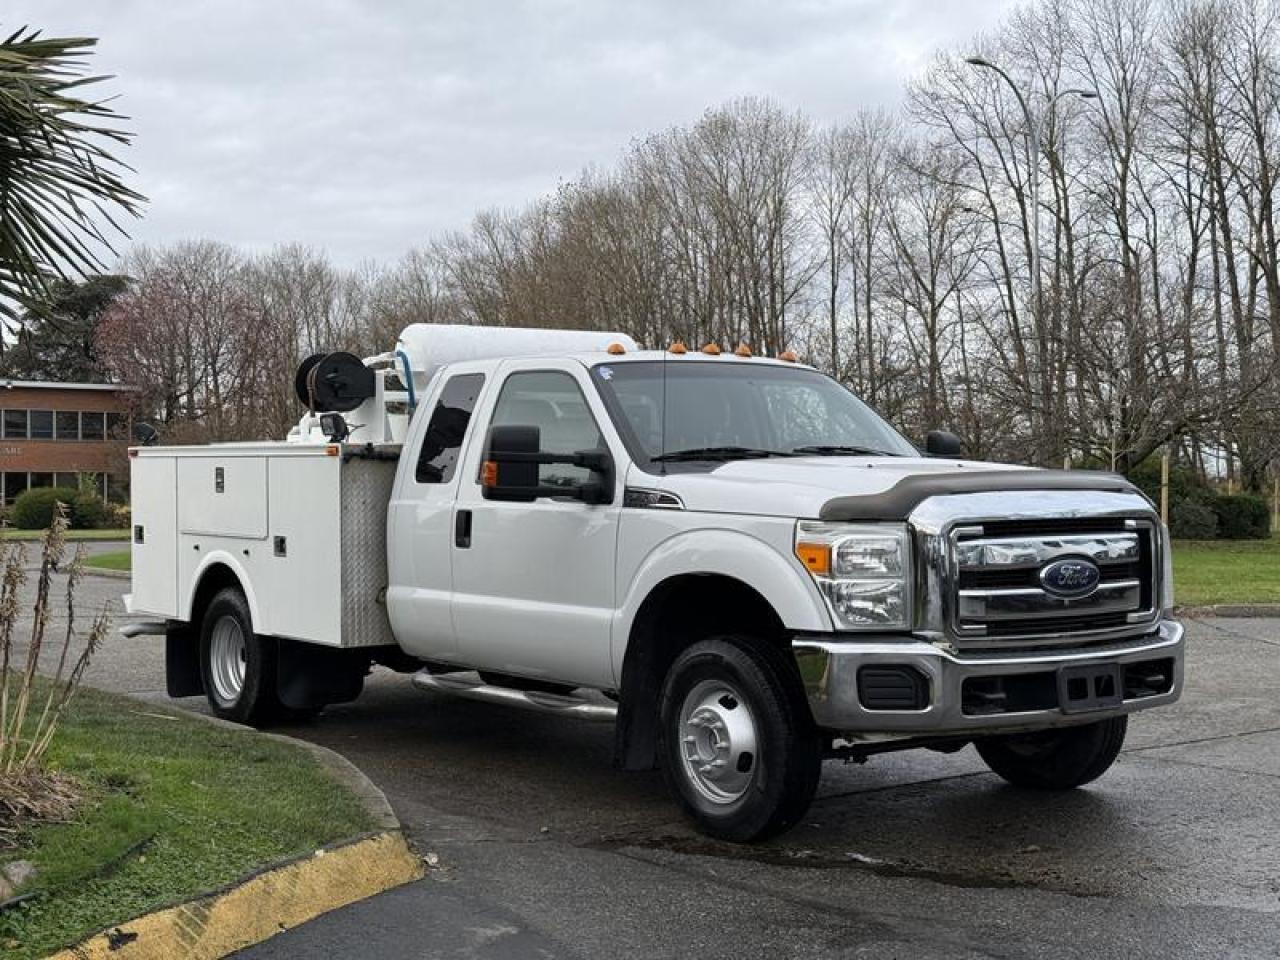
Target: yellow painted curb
x,y
262,906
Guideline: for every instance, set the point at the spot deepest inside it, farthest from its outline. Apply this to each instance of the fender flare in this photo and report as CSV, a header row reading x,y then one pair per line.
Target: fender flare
x,y
780,580
218,557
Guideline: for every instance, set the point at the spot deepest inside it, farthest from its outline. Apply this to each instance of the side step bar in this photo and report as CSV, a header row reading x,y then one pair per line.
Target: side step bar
x,y
473,689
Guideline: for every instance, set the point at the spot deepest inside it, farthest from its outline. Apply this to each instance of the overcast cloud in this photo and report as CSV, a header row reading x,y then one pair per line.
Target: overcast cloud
x,y
365,128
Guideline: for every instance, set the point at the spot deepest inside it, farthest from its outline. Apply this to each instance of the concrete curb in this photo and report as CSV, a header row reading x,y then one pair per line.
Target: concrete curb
x,y
277,897
1230,610
89,571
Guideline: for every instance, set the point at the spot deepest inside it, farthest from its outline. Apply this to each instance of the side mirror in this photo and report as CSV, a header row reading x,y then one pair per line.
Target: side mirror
x,y
510,469
942,443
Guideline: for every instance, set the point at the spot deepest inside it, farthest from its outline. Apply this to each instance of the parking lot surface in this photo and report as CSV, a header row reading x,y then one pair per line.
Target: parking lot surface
x,y
538,848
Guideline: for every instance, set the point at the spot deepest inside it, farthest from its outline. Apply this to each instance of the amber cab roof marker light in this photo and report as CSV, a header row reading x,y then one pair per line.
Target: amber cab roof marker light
x,y
615,349
743,351
788,356
711,350
678,348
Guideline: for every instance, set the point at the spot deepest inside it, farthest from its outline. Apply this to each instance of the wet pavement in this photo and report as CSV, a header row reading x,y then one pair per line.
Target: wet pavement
x,y
541,849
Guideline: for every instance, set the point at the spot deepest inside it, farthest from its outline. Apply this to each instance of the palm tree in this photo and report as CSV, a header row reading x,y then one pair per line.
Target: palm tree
x,y
58,178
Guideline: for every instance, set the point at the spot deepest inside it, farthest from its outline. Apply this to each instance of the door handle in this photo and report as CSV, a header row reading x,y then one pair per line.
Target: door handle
x,y
462,529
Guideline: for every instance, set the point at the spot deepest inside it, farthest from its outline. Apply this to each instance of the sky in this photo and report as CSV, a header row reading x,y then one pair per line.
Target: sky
x,y
366,128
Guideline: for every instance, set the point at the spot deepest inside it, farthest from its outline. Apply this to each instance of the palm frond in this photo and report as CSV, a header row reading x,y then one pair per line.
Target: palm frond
x,y
58,175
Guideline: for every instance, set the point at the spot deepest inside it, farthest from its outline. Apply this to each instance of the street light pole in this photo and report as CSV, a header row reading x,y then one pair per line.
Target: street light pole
x,y
1034,148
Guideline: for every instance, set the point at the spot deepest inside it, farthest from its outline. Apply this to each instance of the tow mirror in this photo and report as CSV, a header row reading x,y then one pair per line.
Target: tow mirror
x,y
942,443
510,469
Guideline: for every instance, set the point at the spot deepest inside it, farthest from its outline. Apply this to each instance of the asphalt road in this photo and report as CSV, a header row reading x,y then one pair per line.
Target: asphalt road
x,y
538,848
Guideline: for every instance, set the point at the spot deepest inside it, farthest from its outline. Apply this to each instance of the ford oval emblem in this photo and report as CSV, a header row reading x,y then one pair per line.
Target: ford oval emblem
x,y
1071,578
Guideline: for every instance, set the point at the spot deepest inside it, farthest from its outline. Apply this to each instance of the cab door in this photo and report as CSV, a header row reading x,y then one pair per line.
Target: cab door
x,y
420,519
533,583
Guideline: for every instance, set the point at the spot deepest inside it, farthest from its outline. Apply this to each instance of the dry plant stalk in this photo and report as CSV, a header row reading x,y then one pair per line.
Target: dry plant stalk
x,y
25,735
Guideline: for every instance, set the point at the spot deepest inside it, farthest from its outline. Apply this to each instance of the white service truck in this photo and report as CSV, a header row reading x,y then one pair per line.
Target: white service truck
x,y
731,557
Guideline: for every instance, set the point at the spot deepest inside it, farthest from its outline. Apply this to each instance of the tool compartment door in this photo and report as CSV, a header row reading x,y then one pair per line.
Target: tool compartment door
x,y
223,496
153,481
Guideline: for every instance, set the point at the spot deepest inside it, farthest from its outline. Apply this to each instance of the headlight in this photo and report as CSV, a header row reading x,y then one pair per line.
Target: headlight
x,y
863,572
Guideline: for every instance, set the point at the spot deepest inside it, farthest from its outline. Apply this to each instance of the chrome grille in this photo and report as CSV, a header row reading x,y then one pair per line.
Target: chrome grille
x,y
999,598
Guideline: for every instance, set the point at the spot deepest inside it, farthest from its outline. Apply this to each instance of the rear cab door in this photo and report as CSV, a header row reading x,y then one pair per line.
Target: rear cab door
x,y
420,519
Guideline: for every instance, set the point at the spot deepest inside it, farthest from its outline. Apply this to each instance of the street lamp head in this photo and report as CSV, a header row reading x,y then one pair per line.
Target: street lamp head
x,y
977,62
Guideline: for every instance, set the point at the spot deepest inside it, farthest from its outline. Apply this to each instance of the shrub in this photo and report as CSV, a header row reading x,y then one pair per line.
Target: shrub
x,y
1242,517
34,509
88,512
1192,519
1184,483
119,516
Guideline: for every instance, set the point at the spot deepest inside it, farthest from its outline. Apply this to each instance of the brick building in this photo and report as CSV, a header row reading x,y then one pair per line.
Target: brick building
x,y
51,432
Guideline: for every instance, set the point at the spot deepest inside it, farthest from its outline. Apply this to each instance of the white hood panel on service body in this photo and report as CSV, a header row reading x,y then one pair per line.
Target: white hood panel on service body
x,y
796,487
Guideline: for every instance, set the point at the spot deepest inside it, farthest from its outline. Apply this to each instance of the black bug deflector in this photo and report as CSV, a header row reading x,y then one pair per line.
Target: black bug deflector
x,y
898,501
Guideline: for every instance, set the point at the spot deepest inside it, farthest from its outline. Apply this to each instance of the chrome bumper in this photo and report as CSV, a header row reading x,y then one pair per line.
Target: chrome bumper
x,y
829,668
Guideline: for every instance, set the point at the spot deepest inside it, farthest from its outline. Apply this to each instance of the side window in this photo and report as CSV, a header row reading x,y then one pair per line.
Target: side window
x,y
553,402
442,441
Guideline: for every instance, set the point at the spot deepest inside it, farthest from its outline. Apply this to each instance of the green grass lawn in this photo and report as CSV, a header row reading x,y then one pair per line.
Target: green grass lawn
x,y
9,533
1226,571
177,807
112,560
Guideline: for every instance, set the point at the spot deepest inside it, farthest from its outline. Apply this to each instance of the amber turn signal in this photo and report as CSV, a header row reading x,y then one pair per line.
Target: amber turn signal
x,y
816,557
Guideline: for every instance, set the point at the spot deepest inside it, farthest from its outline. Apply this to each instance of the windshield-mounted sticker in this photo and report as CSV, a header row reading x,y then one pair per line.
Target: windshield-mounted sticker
x,y
606,373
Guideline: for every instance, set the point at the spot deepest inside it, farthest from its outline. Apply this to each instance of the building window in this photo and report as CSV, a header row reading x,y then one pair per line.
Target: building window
x,y
15,424
92,425
41,480
41,424
14,485
67,480
67,424
116,426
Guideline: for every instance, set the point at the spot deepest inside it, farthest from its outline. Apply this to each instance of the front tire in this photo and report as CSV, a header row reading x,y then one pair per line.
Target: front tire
x,y
1056,759
238,666
740,752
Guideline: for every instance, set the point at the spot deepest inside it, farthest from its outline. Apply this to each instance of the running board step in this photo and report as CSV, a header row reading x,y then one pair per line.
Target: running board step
x,y
474,689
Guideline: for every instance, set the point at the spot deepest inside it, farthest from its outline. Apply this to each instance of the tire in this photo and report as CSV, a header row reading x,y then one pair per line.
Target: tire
x,y
1056,759
740,752
238,667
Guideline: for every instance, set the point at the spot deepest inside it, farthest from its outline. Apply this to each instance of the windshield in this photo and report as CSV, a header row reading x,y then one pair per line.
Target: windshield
x,y
718,410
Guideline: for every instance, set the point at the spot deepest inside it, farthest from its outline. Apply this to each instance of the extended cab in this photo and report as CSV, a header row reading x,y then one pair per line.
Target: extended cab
x,y
731,557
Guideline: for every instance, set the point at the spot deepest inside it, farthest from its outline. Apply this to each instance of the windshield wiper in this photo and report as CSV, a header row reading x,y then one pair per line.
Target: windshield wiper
x,y
837,450
719,453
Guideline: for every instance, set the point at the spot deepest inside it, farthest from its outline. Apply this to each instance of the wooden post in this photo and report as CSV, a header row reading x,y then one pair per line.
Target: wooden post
x,y
1164,487
1066,462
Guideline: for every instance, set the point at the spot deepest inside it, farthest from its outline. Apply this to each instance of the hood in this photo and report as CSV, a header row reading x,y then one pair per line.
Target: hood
x,y
799,486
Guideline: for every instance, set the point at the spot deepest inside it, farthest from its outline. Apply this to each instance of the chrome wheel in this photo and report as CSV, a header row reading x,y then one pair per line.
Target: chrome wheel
x,y
718,741
227,653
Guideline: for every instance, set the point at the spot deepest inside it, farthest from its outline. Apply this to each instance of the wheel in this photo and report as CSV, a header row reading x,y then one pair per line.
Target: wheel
x,y
739,749
237,665
1056,759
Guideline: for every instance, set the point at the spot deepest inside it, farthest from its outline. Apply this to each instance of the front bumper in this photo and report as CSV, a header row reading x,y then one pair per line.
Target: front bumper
x,y
955,702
